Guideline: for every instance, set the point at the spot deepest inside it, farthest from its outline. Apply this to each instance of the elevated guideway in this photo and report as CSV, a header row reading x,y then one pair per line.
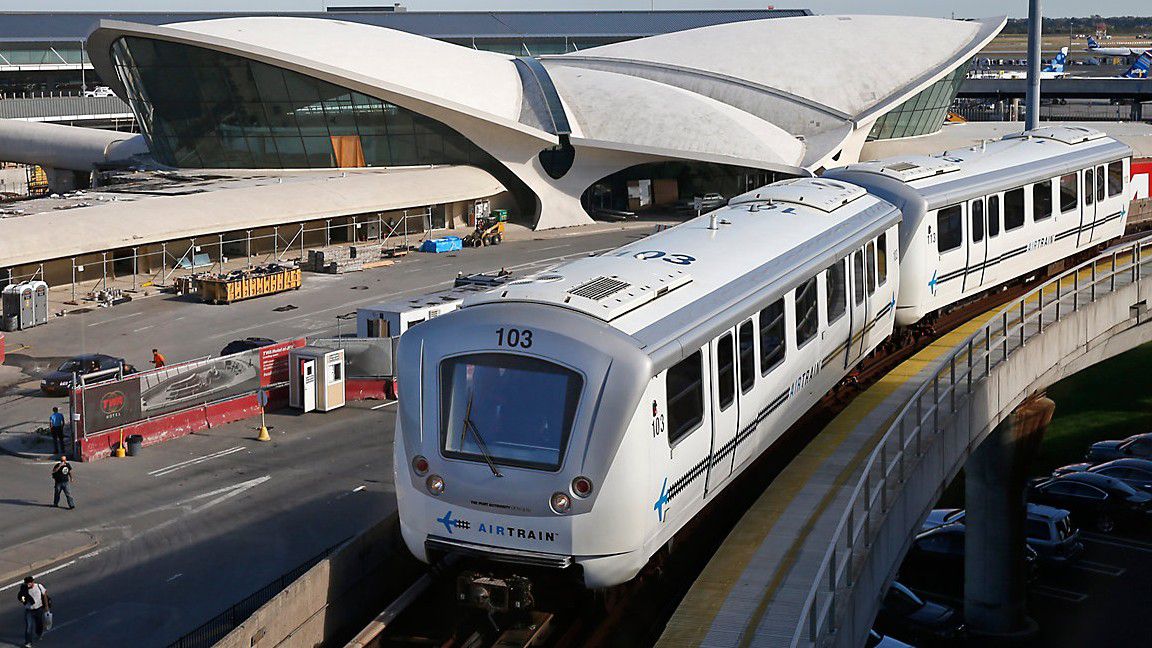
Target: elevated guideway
x,y
809,562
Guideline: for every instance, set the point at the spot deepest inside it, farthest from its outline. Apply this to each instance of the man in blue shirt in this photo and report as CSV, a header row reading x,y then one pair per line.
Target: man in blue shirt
x,y
56,425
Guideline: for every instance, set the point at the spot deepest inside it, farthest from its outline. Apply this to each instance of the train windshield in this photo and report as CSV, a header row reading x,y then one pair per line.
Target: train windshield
x,y
507,409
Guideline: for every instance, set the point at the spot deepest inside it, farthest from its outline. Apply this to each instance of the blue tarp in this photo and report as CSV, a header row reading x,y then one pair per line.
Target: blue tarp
x,y
442,244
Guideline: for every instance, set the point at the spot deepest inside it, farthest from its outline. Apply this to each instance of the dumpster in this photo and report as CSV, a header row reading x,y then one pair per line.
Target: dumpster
x,y
235,286
135,443
442,244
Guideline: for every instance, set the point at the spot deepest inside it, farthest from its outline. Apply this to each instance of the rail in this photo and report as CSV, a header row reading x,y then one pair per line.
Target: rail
x,y
924,421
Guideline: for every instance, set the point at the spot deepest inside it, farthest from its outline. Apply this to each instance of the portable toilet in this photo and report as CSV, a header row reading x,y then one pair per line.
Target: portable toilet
x,y
39,303
316,379
27,311
10,307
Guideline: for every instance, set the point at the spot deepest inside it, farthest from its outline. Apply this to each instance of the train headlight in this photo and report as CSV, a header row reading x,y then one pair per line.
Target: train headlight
x,y
420,465
561,502
435,484
582,486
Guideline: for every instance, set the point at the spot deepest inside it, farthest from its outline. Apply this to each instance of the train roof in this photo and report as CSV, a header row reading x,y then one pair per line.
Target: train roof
x,y
677,288
1013,160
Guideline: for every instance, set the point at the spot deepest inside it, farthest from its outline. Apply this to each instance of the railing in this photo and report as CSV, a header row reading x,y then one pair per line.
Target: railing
x,y
925,420
64,106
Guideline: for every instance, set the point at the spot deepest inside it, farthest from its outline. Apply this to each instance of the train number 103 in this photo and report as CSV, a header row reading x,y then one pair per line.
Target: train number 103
x,y
512,337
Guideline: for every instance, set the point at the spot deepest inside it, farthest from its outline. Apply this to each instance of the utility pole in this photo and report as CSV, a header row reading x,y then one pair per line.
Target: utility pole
x,y
1032,116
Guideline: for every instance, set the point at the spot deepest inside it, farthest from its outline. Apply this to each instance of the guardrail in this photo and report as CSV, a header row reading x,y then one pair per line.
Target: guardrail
x,y
45,108
924,421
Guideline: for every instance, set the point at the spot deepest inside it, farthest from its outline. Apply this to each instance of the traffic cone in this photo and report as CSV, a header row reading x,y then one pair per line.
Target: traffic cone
x,y
264,436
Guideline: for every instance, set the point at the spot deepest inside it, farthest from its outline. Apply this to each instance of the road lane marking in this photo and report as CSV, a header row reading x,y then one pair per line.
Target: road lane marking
x,y
43,573
1056,592
57,626
1099,568
1134,545
232,492
143,328
114,319
383,405
243,486
359,488
174,577
160,472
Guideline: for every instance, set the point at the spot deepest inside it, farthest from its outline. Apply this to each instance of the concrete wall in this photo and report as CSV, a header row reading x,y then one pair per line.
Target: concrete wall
x,y
334,599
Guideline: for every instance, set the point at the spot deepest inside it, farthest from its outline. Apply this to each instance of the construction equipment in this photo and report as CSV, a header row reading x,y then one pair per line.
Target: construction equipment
x,y
489,229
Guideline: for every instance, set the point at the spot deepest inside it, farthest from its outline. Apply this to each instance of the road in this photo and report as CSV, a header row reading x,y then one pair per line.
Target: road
x,y
196,524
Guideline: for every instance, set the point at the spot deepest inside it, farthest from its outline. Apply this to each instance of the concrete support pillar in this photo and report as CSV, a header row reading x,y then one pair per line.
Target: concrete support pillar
x,y
994,483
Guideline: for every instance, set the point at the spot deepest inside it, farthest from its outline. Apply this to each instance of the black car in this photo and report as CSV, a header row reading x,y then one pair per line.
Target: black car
x,y
247,344
1048,530
1103,500
910,618
935,561
1137,473
1139,445
59,381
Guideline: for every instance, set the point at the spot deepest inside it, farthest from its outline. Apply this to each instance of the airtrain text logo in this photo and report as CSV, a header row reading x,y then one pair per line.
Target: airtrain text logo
x,y
499,530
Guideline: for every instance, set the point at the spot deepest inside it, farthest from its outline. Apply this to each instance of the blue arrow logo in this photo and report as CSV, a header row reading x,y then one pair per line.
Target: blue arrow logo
x,y
661,501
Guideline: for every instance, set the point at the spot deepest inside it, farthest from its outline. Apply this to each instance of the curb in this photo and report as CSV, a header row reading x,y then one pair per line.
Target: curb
x,y
39,456
35,565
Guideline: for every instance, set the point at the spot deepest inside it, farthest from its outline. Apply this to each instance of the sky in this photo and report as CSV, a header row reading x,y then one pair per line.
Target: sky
x,y
937,8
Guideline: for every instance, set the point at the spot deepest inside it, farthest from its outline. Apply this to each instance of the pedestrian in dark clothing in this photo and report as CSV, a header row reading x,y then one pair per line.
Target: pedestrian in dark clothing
x,y
34,598
56,426
62,475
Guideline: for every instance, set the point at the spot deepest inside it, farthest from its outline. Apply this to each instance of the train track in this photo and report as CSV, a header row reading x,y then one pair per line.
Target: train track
x,y
567,616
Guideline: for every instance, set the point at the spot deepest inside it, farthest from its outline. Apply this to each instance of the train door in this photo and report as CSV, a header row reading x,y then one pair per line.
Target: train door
x,y
1098,210
992,240
687,423
725,409
977,245
1087,208
858,311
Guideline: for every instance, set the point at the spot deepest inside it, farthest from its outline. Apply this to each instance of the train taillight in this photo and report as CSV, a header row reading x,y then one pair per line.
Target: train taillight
x,y
582,486
420,465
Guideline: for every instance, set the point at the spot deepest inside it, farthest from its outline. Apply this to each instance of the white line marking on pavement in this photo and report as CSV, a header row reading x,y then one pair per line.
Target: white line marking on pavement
x,y
383,405
1056,592
174,577
1099,568
243,485
232,491
160,472
553,247
143,328
57,626
43,573
359,488
90,554
114,319
1134,545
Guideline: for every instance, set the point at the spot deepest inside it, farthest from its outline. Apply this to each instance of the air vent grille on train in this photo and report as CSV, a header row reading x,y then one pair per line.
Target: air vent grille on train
x,y
599,288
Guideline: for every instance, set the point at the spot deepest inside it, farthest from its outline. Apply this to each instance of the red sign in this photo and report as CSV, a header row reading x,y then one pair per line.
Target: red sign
x,y
112,402
274,361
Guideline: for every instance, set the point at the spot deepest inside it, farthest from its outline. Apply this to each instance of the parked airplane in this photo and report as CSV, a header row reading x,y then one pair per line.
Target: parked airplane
x,y
1054,70
1117,50
1140,68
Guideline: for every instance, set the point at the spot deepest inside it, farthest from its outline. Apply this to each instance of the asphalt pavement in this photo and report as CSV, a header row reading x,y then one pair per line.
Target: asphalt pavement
x,y
162,542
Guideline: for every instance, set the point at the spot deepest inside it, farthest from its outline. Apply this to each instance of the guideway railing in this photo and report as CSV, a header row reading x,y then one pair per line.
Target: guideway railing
x,y
923,425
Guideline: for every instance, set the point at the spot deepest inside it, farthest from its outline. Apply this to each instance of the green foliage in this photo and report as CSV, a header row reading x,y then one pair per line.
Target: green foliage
x,y
1116,24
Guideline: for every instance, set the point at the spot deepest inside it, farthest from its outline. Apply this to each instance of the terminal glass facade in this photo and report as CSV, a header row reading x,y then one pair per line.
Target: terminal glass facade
x,y
923,114
205,109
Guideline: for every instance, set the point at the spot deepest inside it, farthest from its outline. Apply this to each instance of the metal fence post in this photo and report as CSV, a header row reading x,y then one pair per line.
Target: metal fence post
x,y
276,242
1004,330
327,233
1093,293
969,380
1112,279
135,267
248,245
1040,310
1021,325
952,381
1075,291
104,270
73,280
1059,282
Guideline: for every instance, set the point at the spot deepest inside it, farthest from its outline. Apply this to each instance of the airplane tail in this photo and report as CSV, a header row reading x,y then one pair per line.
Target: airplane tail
x,y
1140,68
1057,64
1092,43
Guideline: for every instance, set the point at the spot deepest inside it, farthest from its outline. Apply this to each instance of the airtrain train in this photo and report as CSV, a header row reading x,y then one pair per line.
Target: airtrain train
x,y
579,417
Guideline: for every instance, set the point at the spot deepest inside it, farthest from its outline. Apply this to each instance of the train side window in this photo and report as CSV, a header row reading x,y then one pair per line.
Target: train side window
x,y
836,290
881,259
1088,175
976,218
1069,193
725,370
1013,209
771,336
1115,178
948,227
684,385
1099,183
993,216
858,281
870,266
807,312
1042,200
747,357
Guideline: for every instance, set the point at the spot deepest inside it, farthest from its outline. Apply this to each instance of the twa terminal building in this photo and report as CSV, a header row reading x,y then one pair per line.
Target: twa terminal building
x,y
729,106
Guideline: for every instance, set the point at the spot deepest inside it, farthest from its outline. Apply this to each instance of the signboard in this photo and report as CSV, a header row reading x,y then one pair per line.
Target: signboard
x,y
203,381
112,404
274,361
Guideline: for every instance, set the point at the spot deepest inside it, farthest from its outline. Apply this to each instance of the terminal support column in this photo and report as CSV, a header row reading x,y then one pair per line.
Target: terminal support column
x,y
994,488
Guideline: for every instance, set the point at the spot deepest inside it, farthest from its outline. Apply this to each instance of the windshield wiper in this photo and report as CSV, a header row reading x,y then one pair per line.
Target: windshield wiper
x,y
469,426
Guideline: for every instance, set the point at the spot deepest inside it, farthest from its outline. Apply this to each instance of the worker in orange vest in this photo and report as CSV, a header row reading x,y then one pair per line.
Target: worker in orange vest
x,y
158,359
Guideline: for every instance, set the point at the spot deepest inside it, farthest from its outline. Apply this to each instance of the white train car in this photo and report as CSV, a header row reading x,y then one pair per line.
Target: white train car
x,y
975,218
583,415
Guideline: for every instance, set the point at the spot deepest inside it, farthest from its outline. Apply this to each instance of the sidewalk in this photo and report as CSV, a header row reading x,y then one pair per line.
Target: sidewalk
x,y
28,445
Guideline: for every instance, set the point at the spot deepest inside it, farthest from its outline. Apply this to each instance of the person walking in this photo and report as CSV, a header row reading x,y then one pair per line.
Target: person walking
x,y
158,359
56,426
34,598
62,475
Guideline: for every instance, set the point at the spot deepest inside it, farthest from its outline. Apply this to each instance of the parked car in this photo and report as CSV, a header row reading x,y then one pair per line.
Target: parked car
x,y
1137,473
935,561
100,91
247,344
910,618
1048,530
712,201
58,382
1106,501
877,640
1139,445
